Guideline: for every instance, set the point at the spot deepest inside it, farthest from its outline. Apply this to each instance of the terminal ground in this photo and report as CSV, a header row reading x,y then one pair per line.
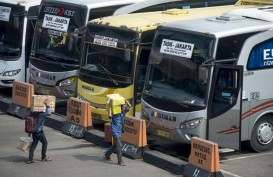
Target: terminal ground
x,y
78,157
71,157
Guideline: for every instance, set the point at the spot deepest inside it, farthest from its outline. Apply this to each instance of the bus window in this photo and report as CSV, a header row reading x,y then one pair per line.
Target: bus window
x,y
226,90
103,12
230,47
29,37
141,71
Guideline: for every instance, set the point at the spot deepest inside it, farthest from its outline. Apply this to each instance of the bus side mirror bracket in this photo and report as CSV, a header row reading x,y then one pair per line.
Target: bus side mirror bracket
x,y
75,36
127,55
203,74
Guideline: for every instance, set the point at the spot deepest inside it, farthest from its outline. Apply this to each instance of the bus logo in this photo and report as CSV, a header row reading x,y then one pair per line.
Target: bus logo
x,y
88,88
163,116
59,11
45,76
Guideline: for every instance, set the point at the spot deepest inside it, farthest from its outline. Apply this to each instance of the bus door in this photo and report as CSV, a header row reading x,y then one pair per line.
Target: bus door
x,y
224,106
31,23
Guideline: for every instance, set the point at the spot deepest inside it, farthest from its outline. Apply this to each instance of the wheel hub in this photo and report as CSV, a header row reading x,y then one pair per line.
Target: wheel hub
x,y
265,133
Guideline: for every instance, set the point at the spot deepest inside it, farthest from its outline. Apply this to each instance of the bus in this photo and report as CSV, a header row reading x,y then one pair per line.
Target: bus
x,y
159,5
56,49
210,78
116,55
17,24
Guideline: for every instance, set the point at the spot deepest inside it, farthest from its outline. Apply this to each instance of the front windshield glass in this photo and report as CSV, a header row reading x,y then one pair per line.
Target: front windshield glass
x,y
55,34
174,71
11,30
109,54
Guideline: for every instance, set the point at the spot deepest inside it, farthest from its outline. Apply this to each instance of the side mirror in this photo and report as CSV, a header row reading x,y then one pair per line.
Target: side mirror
x,y
74,38
203,74
127,55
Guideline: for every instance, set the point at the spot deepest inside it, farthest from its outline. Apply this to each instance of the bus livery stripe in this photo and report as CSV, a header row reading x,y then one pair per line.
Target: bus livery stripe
x,y
229,131
257,108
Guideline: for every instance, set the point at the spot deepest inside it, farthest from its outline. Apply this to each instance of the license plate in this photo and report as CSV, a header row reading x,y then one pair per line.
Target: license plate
x,y
163,133
45,91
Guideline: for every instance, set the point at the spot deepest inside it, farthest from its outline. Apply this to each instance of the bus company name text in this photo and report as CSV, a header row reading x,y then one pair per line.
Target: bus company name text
x,y
163,116
59,11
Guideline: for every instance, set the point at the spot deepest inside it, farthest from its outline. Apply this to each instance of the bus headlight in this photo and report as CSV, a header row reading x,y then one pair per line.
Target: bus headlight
x,y
192,123
68,81
12,72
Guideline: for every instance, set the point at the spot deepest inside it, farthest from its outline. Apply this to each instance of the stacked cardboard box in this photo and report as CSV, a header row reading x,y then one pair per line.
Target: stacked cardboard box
x,y
37,103
113,103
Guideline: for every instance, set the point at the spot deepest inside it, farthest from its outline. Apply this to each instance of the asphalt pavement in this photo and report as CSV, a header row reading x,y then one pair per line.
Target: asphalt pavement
x,y
71,157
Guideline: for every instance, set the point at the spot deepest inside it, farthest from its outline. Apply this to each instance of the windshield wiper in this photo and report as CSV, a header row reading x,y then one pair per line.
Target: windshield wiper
x,y
108,73
166,98
55,59
8,50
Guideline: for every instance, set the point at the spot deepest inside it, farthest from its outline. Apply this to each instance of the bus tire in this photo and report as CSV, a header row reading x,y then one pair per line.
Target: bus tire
x,y
262,135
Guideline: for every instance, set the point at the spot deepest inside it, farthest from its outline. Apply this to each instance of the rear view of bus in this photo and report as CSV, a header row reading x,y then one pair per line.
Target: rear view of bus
x,y
56,50
17,23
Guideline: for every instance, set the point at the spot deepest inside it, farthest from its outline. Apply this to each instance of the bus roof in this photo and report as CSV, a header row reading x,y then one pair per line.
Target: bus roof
x,y
149,3
150,20
95,3
26,3
227,24
255,2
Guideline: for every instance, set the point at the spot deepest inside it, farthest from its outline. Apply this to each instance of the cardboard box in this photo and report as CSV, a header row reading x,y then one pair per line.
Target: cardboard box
x,y
37,103
24,143
113,103
22,93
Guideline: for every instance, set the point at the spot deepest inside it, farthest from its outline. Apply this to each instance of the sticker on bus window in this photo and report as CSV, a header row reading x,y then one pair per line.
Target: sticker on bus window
x,y
56,22
105,41
177,48
55,33
4,13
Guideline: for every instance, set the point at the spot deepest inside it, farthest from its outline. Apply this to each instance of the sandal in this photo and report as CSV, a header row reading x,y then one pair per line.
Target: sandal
x,y
30,161
106,157
47,159
121,163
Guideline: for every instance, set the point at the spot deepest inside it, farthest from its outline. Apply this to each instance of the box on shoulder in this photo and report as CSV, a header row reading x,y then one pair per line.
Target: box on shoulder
x,y
113,103
37,103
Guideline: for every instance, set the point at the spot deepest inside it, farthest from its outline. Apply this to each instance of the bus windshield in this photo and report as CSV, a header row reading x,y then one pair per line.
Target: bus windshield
x,y
11,25
105,55
56,25
174,67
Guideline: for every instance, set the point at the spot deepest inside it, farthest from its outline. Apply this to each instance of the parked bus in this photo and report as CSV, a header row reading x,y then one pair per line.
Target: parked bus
x,y
56,51
116,55
211,78
159,5
17,23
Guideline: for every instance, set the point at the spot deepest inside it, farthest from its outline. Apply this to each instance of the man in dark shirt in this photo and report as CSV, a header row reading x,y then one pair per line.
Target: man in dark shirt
x,y
39,135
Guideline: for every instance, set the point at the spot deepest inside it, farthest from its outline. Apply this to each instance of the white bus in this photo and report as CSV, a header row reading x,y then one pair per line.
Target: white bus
x,y
211,78
17,23
56,49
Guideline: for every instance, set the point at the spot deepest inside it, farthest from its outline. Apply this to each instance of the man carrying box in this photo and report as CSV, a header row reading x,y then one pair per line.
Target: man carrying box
x,y
39,135
117,113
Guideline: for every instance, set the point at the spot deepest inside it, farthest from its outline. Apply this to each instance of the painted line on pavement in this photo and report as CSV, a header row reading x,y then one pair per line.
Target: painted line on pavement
x,y
228,173
244,157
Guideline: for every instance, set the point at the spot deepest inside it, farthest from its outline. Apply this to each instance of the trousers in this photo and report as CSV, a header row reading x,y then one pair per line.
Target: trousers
x,y
117,146
38,136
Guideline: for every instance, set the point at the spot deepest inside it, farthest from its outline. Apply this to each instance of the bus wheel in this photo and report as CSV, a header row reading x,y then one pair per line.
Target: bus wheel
x,y
262,135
